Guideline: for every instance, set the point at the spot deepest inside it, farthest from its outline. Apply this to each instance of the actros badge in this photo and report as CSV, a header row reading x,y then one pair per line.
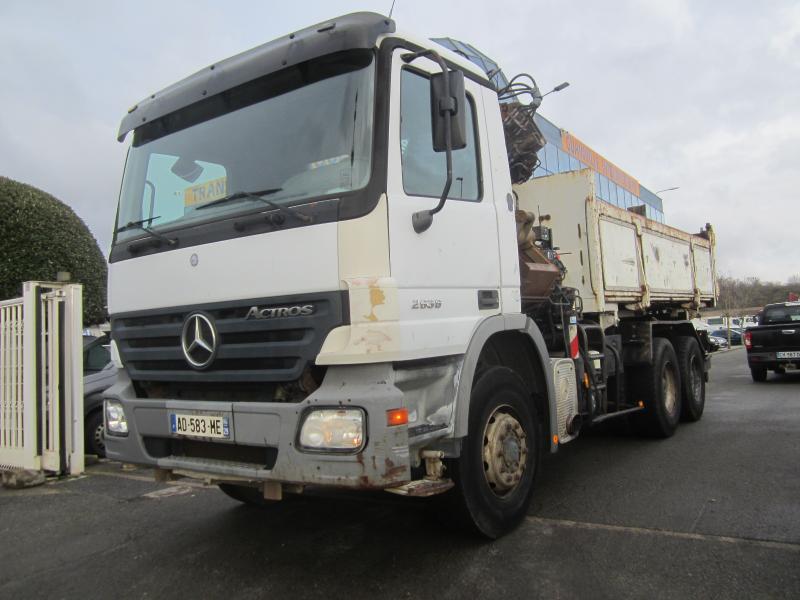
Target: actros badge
x,y
199,340
282,311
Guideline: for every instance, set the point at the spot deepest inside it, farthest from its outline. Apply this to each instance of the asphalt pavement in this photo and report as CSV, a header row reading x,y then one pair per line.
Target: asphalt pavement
x,y
712,512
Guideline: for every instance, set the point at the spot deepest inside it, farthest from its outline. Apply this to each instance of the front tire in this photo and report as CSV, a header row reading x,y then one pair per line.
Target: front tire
x,y
759,374
94,433
658,387
500,457
693,388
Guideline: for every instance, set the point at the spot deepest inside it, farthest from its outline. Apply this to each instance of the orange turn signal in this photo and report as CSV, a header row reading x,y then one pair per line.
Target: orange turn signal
x,y
397,416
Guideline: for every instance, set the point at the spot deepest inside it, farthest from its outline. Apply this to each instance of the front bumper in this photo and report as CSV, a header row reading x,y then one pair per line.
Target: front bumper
x,y
262,442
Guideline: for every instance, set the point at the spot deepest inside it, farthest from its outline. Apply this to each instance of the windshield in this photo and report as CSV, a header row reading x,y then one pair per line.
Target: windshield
x,y
301,134
787,313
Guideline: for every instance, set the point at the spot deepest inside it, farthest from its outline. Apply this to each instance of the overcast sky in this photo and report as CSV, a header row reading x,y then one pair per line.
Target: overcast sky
x,y
703,95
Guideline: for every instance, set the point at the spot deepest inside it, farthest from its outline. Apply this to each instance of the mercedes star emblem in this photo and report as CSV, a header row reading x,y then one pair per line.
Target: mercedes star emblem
x,y
199,340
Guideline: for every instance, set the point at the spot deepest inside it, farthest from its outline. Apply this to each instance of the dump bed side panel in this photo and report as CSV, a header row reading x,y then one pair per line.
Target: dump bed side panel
x,y
620,256
667,264
703,270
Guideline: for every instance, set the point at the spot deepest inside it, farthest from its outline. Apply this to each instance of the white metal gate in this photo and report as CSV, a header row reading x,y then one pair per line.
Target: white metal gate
x,y
41,379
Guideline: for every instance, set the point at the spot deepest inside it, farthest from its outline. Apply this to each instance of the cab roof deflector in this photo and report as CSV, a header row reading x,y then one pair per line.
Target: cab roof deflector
x,y
349,32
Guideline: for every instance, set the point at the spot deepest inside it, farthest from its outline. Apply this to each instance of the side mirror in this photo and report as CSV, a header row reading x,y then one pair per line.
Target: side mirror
x,y
455,104
448,119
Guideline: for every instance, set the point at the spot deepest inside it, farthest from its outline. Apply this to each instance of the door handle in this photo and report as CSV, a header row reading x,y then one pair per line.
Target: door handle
x,y
488,299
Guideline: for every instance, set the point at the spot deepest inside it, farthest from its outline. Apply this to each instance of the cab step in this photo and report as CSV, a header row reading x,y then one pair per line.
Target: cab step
x,y
422,488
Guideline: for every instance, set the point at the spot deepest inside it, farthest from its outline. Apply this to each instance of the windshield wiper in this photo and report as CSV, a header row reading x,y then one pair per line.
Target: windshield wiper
x,y
141,225
137,224
260,197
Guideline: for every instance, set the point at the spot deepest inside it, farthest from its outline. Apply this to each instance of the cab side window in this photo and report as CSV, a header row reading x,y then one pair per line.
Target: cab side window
x,y
425,171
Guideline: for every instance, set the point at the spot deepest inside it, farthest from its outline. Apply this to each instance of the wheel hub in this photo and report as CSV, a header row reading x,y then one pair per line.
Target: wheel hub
x,y
100,438
511,451
505,451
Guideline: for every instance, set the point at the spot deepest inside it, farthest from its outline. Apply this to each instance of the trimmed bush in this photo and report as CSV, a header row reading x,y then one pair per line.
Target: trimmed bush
x,y
39,236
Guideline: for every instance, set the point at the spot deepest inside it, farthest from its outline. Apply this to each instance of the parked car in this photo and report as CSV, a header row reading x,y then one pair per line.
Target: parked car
x,y
720,342
721,323
99,374
736,336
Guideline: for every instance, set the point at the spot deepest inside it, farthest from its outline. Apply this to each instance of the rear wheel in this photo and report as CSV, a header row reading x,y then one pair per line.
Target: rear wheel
x,y
693,389
658,387
246,494
500,458
758,373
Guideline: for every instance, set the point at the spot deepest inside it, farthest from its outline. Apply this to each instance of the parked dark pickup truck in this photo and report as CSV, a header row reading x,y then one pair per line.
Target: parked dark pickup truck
x,y
774,344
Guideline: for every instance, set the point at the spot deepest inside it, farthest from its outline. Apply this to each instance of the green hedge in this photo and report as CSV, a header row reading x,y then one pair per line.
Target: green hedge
x,y
39,236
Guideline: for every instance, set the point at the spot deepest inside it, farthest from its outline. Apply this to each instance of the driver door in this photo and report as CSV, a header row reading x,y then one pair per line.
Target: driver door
x,y
448,277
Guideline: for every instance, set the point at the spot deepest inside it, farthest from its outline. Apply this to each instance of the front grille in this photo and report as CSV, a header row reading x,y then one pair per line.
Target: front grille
x,y
275,349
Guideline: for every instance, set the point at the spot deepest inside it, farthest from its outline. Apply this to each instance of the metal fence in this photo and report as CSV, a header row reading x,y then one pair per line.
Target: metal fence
x,y
41,379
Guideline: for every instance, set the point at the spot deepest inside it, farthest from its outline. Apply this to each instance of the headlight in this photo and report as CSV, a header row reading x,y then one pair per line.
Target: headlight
x,y
334,429
115,357
116,424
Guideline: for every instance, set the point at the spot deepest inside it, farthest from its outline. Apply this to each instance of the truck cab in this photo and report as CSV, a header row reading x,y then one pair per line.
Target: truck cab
x,y
311,288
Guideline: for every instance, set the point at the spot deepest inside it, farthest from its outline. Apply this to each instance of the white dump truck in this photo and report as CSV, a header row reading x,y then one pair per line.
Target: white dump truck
x,y
322,274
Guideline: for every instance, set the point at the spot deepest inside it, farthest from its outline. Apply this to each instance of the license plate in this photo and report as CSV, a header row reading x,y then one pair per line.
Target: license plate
x,y
199,426
787,355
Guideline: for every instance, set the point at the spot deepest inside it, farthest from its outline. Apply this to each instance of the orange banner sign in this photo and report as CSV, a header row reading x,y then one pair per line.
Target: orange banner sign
x,y
573,146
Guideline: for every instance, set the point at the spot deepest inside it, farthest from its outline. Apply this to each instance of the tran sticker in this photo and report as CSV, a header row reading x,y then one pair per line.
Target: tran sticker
x,y
205,192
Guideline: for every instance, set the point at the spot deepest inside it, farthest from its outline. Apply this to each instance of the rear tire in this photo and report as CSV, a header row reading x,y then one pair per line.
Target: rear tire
x,y
658,386
693,388
759,374
246,494
500,457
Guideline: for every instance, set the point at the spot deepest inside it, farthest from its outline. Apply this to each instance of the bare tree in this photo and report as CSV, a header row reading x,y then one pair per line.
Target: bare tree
x,y
752,292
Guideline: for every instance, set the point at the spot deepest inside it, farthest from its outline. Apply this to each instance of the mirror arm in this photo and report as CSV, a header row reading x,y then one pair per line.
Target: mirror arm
x,y
150,186
422,220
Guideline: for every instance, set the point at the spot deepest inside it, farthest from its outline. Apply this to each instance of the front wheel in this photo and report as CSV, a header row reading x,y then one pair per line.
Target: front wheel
x,y
94,433
500,458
